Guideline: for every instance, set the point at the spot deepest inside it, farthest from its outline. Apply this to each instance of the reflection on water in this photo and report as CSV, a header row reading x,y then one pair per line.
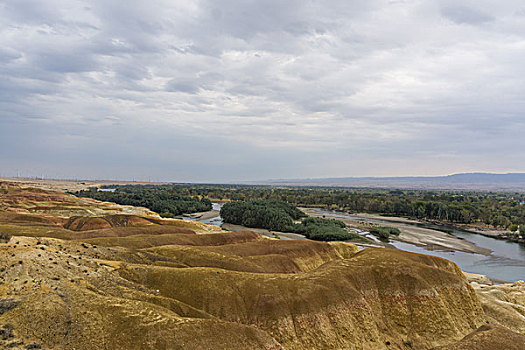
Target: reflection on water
x,y
217,221
217,206
494,266
506,262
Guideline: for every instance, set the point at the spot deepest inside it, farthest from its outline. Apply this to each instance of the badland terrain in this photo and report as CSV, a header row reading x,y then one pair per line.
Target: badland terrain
x,y
77,273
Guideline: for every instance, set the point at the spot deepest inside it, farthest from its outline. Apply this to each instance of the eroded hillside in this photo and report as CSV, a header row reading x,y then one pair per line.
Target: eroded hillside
x,y
95,279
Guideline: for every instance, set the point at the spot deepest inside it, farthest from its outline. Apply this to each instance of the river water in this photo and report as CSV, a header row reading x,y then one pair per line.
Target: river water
x,y
505,263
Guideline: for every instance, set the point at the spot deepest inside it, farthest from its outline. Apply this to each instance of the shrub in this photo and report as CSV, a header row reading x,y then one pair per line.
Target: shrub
x,y
384,232
324,229
329,233
4,237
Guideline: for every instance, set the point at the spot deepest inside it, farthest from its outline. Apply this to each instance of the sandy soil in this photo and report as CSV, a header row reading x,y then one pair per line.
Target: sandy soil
x,y
436,240
482,231
485,232
204,215
386,218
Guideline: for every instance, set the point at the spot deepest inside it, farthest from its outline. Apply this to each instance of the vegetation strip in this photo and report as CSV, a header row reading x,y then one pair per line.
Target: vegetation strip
x,y
161,199
279,216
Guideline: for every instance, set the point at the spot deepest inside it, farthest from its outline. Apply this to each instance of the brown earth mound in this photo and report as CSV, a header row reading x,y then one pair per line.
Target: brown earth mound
x,y
297,256
259,256
131,231
86,223
61,300
489,337
69,294
22,198
378,298
146,241
29,219
83,223
61,233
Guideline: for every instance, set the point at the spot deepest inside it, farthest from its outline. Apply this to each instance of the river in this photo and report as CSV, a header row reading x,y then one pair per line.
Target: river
x,y
506,261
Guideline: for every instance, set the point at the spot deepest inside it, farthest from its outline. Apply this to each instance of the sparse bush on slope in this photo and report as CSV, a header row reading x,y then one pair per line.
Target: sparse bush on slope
x,y
4,237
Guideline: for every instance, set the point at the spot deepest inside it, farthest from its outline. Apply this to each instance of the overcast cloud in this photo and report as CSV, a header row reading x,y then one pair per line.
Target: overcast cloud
x,y
242,90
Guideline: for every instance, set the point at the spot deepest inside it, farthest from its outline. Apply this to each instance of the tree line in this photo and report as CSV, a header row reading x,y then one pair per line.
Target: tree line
x,y
490,209
160,199
493,209
277,215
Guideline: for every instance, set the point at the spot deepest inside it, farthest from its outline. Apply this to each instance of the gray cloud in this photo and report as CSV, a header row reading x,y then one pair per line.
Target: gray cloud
x,y
461,14
209,91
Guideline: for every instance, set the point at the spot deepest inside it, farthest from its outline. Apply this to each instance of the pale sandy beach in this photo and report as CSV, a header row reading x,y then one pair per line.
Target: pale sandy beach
x,y
423,237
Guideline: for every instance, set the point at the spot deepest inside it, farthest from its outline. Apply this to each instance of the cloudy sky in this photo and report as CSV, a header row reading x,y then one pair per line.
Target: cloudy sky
x,y
242,89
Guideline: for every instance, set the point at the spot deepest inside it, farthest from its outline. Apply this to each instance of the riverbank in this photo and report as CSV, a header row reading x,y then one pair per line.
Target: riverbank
x,y
418,236
205,215
500,260
429,239
488,232
498,234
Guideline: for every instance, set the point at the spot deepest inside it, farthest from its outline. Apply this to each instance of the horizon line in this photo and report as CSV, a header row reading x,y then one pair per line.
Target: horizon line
x,y
42,178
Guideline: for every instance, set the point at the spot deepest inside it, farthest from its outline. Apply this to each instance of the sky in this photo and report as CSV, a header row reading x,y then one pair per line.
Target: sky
x,y
216,91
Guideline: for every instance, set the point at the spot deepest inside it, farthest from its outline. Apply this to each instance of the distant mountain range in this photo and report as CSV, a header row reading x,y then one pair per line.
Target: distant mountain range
x,y
464,181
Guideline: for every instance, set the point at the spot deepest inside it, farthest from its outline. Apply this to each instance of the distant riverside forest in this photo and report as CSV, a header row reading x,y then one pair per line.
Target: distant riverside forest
x,y
165,200
277,215
500,210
